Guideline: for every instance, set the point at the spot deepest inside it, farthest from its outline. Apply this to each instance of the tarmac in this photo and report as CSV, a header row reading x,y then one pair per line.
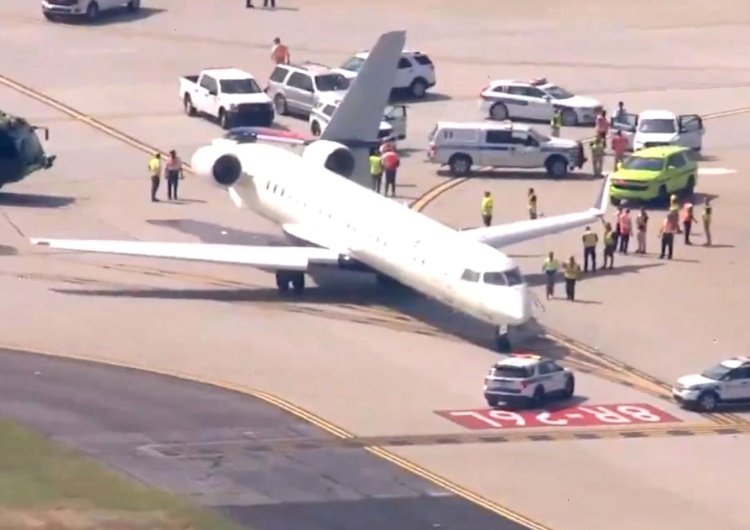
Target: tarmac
x,y
356,366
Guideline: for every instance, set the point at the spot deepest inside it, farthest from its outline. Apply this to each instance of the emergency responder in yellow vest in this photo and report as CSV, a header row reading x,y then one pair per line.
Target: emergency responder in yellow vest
x,y
598,147
706,218
609,246
487,206
154,171
666,233
532,204
571,271
555,123
590,240
376,171
550,268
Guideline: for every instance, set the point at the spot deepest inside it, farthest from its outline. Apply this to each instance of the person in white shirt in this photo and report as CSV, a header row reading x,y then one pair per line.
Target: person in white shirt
x,y
619,113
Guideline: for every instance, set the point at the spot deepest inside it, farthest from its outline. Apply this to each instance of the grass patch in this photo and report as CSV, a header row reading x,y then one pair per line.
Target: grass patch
x,y
44,485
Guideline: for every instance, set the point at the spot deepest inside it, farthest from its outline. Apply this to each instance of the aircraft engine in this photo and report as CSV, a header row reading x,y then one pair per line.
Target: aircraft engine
x,y
219,164
333,156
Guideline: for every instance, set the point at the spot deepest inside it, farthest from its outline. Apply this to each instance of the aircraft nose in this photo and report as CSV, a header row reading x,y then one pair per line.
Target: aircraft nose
x,y
513,305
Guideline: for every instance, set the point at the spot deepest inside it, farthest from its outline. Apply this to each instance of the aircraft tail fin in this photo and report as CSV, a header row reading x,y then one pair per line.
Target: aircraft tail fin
x,y
358,116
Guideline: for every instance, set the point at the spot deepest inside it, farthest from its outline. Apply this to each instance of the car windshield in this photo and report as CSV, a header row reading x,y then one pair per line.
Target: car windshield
x,y
330,82
556,92
511,372
239,86
717,372
657,126
643,163
353,64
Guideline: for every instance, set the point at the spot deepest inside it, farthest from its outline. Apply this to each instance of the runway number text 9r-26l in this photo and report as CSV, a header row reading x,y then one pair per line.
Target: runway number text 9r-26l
x,y
583,416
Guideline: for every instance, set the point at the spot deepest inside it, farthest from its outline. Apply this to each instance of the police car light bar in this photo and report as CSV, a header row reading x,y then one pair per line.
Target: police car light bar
x,y
526,356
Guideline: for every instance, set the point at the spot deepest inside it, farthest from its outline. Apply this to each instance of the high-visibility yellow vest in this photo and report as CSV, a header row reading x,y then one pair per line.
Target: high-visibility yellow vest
x,y
609,239
487,206
556,121
376,166
550,265
590,239
597,148
572,272
154,165
707,212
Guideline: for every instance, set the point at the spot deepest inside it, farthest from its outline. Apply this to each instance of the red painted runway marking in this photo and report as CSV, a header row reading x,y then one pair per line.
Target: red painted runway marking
x,y
582,416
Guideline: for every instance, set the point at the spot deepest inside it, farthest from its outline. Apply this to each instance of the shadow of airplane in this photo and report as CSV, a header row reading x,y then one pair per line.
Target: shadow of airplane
x,y
537,279
334,286
29,200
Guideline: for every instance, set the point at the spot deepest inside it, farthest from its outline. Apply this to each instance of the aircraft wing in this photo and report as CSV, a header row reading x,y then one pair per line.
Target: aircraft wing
x,y
265,258
508,234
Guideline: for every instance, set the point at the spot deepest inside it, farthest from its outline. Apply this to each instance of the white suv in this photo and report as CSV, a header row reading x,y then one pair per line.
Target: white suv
x,y
529,380
414,76
506,99
89,9
727,382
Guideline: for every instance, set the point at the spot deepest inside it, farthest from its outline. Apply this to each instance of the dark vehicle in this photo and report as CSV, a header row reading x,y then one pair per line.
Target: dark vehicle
x,y
21,152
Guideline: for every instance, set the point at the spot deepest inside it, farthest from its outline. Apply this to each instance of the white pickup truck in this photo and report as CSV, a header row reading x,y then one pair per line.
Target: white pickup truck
x,y
229,95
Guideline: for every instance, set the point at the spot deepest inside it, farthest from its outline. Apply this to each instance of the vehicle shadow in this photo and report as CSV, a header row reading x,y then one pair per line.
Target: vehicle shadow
x,y
30,200
401,96
123,16
504,174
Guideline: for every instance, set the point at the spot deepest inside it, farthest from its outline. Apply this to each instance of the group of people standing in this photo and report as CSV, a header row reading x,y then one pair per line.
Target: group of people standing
x,y
171,169
384,162
616,238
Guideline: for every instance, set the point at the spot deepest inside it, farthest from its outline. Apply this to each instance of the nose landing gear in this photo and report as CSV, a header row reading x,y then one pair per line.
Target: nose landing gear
x,y
293,279
502,340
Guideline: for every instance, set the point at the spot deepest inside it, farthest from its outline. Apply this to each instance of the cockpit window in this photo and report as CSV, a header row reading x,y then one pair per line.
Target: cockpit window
x,y
495,278
514,276
470,276
510,277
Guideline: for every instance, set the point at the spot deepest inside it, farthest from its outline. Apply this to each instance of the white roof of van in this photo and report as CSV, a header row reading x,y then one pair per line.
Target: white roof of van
x,y
482,125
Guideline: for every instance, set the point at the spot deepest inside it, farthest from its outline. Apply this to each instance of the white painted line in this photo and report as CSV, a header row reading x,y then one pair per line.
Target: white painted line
x,y
715,171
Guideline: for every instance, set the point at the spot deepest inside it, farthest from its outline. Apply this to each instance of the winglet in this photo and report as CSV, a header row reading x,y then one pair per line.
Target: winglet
x,y
602,198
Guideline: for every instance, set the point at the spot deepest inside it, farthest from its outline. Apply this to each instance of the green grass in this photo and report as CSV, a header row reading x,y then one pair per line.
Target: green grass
x,y
46,485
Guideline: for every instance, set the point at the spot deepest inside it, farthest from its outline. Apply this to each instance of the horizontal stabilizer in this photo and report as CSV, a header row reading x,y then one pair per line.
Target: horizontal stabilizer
x,y
508,234
267,258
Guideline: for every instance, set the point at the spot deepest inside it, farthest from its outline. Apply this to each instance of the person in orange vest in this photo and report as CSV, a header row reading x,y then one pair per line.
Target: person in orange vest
x,y
666,234
687,221
619,146
626,228
387,145
602,126
279,52
391,161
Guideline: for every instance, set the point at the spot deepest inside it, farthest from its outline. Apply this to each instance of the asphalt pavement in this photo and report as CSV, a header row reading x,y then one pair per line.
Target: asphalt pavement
x,y
200,441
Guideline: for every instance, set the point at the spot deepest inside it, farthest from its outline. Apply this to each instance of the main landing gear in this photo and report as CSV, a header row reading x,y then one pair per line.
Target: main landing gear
x,y
293,279
502,340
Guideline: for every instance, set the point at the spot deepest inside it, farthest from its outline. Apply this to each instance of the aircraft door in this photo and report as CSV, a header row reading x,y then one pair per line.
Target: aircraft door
x,y
691,131
627,123
396,117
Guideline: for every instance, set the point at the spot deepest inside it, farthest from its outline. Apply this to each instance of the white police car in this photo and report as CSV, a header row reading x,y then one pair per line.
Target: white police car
x,y
727,382
461,146
528,380
507,99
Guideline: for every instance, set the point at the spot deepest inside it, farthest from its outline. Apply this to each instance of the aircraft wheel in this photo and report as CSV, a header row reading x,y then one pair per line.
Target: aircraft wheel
x,y
502,340
298,283
282,282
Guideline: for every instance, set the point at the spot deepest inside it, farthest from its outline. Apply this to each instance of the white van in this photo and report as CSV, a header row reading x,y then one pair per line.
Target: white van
x,y
393,124
462,146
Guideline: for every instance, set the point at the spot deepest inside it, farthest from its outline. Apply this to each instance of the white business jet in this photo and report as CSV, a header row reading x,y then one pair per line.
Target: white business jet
x,y
350,227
